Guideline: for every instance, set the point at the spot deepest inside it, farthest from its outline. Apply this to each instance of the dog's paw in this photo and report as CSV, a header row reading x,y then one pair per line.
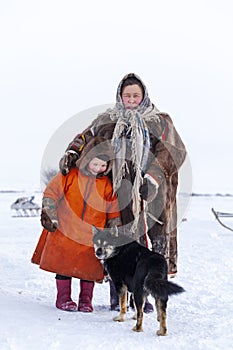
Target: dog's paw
x,y
137,329
161,332
119,318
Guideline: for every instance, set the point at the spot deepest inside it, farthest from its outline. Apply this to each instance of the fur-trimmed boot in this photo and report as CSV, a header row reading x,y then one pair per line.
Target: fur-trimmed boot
x,y
114,300
85,296
148,307
64,301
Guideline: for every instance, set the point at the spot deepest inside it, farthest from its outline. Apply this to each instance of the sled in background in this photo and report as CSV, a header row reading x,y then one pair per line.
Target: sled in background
x,y
219,215
25,207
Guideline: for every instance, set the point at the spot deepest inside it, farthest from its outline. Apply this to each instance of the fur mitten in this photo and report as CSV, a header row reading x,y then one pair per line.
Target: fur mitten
x,y
48,217
67,162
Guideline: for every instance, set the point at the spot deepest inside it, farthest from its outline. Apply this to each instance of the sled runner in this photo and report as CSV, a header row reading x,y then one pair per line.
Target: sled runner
x,y
219,215
25,207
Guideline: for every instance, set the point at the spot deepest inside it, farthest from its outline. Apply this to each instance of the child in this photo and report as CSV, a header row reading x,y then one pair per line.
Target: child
x,y
71,205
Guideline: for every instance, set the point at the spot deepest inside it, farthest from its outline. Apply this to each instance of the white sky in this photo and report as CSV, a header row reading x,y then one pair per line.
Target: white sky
x,y
61,57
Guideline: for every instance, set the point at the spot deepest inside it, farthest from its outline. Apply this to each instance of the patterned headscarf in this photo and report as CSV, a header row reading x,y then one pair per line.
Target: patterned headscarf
x,y
145,102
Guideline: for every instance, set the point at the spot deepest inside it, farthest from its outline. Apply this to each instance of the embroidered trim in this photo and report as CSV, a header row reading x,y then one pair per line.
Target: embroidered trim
x,y
71,152
152,180
81,147
165,131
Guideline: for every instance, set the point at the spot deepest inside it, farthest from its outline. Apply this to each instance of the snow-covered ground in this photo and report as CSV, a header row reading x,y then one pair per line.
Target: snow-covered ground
x,y
200,318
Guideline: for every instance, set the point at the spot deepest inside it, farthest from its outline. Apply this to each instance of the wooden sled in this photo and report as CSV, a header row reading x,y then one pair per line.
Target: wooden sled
x,y
219,215
25,207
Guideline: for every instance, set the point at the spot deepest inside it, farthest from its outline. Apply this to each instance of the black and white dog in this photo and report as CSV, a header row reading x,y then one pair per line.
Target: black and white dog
x,y
134,268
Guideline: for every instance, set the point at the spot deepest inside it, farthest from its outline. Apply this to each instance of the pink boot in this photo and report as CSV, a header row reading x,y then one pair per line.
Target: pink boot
x,y
64,301
85,296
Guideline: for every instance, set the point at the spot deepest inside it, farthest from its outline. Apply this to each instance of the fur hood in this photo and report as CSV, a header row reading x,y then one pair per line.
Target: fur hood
x,y
96,148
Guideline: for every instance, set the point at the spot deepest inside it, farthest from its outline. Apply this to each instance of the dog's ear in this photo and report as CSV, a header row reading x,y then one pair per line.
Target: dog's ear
x,y
94,230
114,231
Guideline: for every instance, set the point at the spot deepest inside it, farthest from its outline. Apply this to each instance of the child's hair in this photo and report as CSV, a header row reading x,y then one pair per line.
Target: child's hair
x,y
131,81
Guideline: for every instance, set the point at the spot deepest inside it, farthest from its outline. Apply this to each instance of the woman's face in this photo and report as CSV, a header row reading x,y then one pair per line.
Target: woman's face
x,y
132,96
97,166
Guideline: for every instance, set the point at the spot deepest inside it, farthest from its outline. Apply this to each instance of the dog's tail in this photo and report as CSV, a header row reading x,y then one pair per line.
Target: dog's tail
x,y
160,288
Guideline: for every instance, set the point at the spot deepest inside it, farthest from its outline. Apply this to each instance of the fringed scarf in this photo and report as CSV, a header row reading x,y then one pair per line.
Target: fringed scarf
x,y
131,129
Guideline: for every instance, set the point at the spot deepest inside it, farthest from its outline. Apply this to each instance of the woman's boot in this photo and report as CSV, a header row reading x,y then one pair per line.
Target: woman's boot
x,y
114,300
85,296
64,301
148,307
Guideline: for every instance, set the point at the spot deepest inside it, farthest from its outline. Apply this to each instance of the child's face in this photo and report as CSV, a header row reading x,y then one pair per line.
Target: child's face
x,y
97,166
132,96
